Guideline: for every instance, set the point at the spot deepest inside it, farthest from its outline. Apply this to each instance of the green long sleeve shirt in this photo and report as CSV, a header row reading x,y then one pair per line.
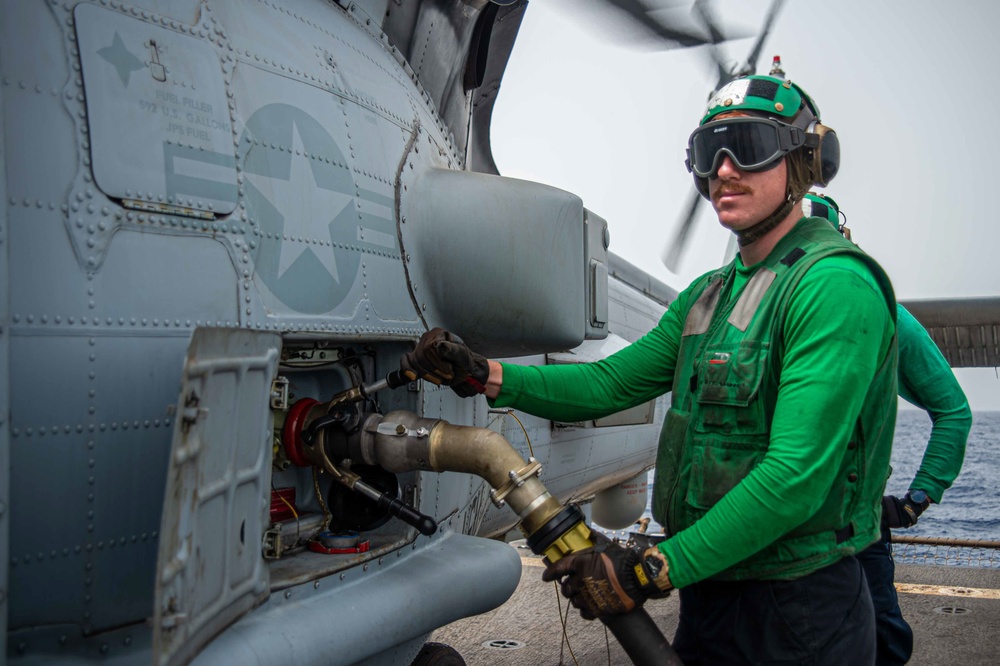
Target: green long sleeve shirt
x,y
926,380
838,331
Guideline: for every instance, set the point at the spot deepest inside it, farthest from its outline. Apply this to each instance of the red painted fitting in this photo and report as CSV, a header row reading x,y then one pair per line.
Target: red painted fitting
x,y
291,434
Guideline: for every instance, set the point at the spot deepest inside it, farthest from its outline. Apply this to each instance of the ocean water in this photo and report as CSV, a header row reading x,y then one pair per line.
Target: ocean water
x,y
969,509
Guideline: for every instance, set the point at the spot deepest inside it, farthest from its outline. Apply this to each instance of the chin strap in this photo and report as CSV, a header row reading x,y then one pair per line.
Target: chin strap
x,y
757,231
797,183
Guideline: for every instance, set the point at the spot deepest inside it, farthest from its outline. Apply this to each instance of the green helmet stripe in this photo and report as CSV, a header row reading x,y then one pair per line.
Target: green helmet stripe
x,y
760,94
817,205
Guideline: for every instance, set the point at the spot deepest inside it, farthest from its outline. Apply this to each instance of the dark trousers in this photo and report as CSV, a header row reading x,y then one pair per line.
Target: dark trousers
x,y
824,618
893,636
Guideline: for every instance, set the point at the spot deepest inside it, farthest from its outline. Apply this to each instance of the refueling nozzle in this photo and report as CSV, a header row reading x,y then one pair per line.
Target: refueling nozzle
x,y
401,441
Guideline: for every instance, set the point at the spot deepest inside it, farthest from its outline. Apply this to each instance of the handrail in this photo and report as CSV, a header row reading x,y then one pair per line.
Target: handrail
x,y
945,541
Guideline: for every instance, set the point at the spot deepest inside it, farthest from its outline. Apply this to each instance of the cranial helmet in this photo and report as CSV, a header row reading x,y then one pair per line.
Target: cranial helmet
x,y
820,205
782,120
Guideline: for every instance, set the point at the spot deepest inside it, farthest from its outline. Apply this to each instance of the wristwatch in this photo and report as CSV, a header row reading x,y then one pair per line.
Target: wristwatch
x,y
658,569
915,502
920,497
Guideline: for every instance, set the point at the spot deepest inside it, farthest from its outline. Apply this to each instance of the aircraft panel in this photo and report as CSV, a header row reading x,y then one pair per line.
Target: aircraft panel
x,y
50,476
272,34
437,402
298,164
295,40
372,10
347,62
26,49
437,54
186,12
612,455
160,125
447,496
632,313
210,570
4,390
36,122
38,352
38,570
51,295
99,427
159,284
115,578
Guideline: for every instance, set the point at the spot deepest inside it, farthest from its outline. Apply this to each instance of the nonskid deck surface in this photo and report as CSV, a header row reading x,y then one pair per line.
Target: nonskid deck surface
x,y
954,612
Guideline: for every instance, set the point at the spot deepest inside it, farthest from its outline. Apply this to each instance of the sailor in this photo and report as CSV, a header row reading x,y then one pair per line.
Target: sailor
x,y
926,381
774,453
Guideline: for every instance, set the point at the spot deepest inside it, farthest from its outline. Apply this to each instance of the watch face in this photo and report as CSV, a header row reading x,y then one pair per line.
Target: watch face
x,y
918,496
654,565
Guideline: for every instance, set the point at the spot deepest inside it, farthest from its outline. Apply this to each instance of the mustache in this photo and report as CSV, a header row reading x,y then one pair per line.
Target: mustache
x,y
730,188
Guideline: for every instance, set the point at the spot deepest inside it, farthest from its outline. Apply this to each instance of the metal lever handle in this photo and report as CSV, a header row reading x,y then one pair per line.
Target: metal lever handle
x,y
393,380
424,524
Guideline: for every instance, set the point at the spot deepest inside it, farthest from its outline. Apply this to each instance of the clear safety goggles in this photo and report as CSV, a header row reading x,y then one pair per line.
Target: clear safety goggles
x,y
754,144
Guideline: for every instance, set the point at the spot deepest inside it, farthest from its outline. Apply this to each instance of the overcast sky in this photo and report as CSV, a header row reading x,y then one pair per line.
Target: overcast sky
x,y
909,86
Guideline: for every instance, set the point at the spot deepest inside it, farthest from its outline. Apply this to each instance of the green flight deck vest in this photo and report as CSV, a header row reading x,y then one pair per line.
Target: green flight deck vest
x,y
723,398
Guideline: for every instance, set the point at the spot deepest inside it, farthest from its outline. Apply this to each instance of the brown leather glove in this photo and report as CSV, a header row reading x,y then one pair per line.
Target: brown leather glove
x,y
441,357
602,581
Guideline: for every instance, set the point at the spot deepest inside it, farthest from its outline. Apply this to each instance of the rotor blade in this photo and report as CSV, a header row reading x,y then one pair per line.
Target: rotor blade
x,y
641,14
776,6
701,9
708,19
645,24
674,250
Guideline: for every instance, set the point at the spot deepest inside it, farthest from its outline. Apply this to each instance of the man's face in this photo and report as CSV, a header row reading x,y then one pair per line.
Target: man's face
x,y
744,198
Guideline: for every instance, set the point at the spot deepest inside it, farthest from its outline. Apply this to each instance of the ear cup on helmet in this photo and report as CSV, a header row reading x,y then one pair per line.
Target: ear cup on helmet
x,y
826,155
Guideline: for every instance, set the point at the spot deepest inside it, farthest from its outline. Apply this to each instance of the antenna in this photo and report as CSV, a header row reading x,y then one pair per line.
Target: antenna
x,y
776,70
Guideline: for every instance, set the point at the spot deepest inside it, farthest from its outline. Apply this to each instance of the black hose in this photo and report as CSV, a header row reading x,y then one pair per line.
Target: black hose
x,y
641,639
636,632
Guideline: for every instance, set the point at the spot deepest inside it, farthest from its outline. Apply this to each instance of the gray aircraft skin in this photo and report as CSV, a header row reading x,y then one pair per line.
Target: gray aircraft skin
x,y
216,210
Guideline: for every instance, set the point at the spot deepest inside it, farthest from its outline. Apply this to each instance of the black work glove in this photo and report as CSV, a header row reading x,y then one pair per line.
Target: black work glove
x,y
441,357
903,512
601,581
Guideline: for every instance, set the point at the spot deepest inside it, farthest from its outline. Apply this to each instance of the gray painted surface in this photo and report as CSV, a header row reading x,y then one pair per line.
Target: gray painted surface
x,y
967,330
318,192
395,595
4,402
173,169
159,123
209,569
475,241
